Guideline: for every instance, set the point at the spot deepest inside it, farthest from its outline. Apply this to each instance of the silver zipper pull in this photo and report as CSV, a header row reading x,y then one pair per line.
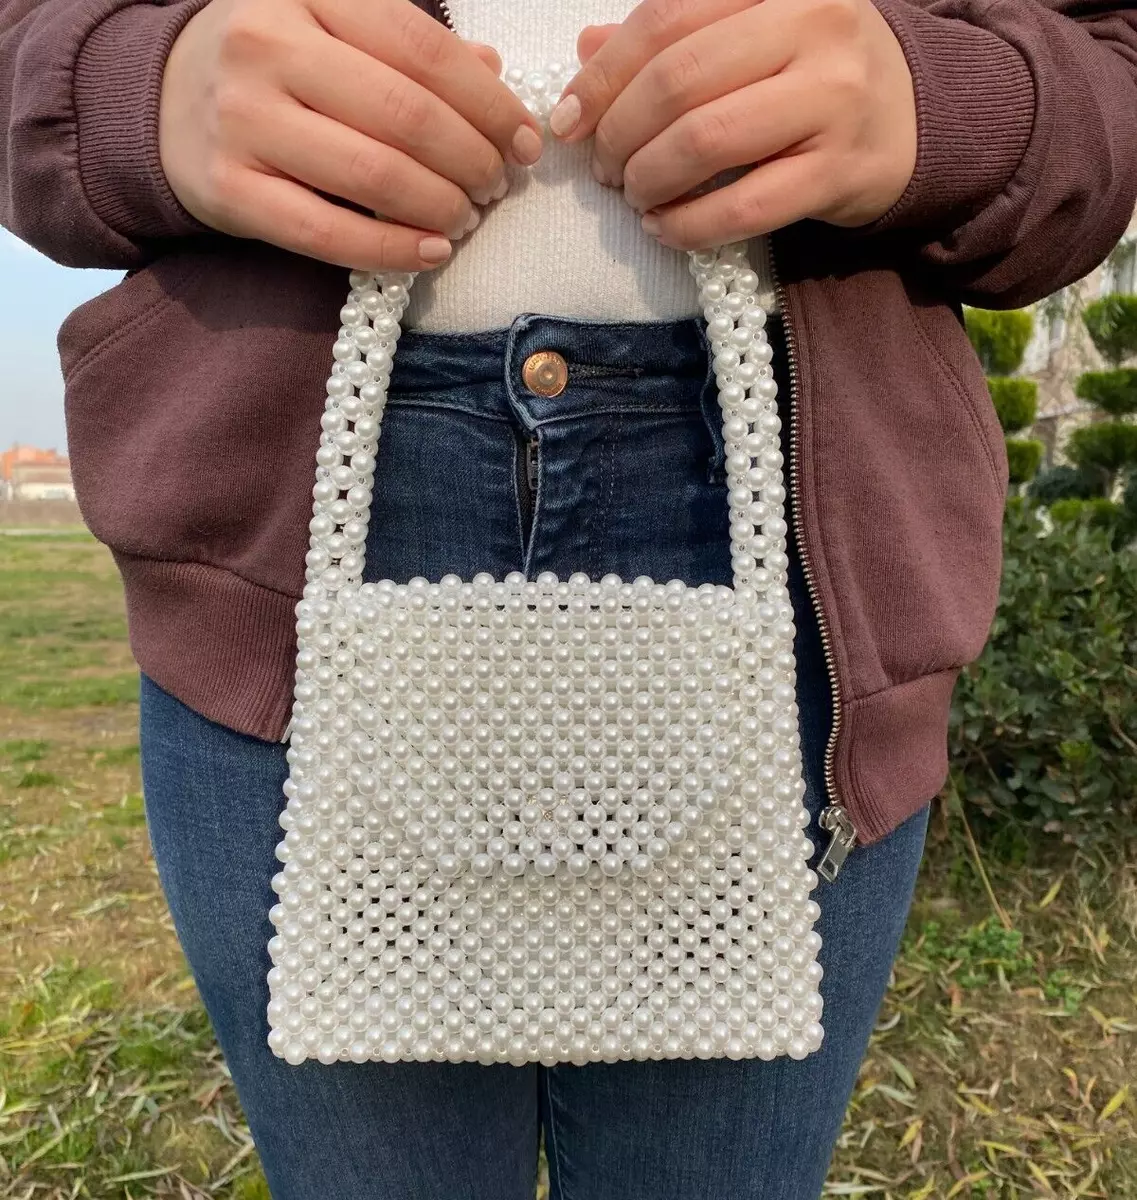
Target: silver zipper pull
x,y
836,820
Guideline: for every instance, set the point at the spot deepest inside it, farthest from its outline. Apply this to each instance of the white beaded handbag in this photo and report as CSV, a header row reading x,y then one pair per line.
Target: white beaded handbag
x,y
545,820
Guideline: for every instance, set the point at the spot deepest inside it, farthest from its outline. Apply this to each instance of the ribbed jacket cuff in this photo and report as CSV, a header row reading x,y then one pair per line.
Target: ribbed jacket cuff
x,y
975,107
118,87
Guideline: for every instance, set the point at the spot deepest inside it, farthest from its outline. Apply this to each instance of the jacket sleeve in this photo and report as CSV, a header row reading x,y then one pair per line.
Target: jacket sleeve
x,y
80,83
1026,167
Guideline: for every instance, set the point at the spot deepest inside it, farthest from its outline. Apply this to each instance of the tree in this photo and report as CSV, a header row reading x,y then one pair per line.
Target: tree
x,y
1099,488
1000,339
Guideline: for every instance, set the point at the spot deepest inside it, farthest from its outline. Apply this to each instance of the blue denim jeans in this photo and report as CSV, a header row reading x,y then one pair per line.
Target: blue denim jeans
x,y
628,474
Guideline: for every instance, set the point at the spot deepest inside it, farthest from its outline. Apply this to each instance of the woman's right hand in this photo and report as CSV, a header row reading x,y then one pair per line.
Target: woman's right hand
x,y
268,103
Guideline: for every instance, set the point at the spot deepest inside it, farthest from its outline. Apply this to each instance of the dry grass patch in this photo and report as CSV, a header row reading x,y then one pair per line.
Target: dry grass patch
x,y
111,1084
1004,1059
1003,1065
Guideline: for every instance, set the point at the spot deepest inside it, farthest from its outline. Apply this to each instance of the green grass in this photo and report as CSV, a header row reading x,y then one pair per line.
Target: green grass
x,y
114,756
102,1093
60,533
998,1068
23,751
127,812
23,840
35,779
1062,987
69,693
62,626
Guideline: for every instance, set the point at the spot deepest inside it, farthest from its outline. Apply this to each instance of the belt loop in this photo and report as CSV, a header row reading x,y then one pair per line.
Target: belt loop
x,y
712,412
518,398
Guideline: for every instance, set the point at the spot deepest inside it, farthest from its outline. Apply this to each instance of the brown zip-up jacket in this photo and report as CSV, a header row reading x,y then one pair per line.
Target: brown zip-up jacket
x,y
194,387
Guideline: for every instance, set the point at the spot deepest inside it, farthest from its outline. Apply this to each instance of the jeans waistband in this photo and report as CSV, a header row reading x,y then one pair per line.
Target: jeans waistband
x,y
645,366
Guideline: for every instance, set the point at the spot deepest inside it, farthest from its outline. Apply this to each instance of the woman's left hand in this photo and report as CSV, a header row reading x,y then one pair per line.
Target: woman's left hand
x,y
815,96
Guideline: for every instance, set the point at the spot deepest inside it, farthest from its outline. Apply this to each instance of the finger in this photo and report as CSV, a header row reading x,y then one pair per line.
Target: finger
x,y
591,38
747,126
488,55
324,154
649,28
286,214
774,194
711,62
416,45
399,112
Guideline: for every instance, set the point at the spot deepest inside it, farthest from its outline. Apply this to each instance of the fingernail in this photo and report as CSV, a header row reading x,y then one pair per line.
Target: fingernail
x,y
651,224
434,249
501,188
472,223
527,145
460,231
566,116
598,172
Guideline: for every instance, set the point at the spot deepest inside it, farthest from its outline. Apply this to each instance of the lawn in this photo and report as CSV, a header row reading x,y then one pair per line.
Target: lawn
x,y
1001,1065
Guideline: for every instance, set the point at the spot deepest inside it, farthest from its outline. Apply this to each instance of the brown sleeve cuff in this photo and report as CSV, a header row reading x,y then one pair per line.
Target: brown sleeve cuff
x,y
118,86
975,107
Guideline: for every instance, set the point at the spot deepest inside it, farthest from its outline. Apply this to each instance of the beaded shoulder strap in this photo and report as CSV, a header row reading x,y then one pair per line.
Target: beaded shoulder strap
x,y
735,322
357,391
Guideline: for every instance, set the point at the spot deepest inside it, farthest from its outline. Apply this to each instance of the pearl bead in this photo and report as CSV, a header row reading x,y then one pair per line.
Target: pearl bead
x,y
545,820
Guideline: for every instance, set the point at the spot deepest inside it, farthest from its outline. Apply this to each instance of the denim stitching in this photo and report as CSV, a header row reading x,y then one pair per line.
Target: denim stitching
x,y
554,318
716,460
551,1152
459,334
517,501
604,500
406,400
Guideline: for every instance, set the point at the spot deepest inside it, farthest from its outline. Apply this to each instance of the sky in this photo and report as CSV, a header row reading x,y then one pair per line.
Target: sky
x,y
35,296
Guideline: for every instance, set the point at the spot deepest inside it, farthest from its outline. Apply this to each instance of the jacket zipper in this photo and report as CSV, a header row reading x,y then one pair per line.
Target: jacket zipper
x,y
834,818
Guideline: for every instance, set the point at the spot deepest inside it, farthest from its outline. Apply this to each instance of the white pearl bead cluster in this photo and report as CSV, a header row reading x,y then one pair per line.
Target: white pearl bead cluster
x,y
540,90
545,820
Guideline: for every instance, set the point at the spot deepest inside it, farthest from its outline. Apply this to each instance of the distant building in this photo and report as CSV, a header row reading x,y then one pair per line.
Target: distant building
x,y
1061,350
28,473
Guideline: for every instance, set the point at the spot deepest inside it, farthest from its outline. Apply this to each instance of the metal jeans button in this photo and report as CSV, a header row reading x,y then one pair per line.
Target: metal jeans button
x,y
545,373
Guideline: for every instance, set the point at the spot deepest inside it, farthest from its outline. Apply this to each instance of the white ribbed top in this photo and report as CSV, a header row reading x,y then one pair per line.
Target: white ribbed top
x,y
558,243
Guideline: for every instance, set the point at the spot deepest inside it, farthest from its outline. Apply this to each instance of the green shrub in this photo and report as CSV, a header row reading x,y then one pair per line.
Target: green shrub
x,y
1126,527
1129,496
1106,446
1118,520
1023,458
1000,338
1015,400
1038,733
1112,326
1096,511
1064,483
1114,392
